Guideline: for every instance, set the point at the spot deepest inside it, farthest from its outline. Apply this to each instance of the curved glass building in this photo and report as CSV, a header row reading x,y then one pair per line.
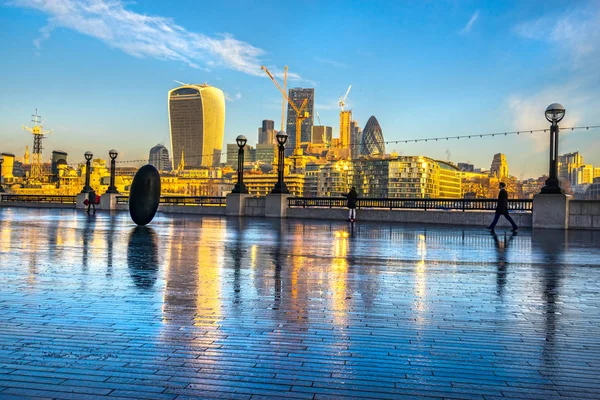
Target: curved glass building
x,y
197,125
372,138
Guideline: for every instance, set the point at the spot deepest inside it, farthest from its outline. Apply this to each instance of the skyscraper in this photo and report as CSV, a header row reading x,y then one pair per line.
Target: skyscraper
x,y
568,165
159,157
197,124
266,133
355,139
321,135
297,96
499,168
372,138
345,129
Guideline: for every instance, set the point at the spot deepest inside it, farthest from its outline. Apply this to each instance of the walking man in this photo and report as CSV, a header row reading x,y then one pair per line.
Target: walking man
x,y
91,201
352,197
502,209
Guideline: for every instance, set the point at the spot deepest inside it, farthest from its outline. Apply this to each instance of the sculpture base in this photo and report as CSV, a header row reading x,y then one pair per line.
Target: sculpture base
x,y
551,211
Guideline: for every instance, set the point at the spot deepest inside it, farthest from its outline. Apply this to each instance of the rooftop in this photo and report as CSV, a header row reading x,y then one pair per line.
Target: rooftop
x,y
234,308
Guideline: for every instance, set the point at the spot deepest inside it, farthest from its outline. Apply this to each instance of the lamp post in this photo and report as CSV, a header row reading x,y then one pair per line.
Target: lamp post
x,y
280,186
88,157
240,187
113,156
1,162
554,114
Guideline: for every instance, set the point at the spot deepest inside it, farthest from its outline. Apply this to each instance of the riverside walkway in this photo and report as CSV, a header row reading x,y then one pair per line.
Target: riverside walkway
x,y
211,307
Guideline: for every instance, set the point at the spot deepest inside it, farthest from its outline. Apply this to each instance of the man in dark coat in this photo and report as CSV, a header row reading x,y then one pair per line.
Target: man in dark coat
x,y
352,197
91,201
502,208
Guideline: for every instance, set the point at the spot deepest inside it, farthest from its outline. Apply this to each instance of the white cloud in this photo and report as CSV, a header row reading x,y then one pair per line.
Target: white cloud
x,y
146,36
467,28
336,64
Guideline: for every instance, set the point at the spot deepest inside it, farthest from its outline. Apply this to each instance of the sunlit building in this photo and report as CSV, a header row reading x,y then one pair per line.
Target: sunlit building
x,y
262,184
7,168
567,166
159,158
355,139
266,133
345,129
499,168
266,153
321,135
297,96
197,125
335,179
372,138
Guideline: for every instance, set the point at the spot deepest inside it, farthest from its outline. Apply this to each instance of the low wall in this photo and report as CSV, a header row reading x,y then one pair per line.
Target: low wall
x,y
584,214
31,204
255,207
196,210
440,217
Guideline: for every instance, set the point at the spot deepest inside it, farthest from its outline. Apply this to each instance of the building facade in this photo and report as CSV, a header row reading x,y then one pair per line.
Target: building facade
x,y
355,139
263,184
297,96
197,125
499,168
266,153
568,165
266,133
159,158
321,135
372,142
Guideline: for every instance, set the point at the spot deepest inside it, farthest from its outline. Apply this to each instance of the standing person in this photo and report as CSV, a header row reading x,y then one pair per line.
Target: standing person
x,y
91,201
352,197
502,209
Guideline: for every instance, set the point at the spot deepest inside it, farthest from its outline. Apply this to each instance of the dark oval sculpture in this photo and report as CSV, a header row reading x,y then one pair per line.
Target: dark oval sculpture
x,y
144,195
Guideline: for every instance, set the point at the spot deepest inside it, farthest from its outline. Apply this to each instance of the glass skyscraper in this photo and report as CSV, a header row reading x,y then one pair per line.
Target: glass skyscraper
x,y
372,138
297,95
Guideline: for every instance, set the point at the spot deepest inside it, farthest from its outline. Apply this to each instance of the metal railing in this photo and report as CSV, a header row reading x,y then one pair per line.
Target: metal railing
x,y
403,203
38,198
183,201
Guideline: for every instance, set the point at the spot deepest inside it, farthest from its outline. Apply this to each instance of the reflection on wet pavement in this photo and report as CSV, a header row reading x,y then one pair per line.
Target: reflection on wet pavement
x,y
230,308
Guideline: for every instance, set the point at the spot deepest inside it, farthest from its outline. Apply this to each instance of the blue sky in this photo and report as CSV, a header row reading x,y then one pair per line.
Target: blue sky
x,y
99,70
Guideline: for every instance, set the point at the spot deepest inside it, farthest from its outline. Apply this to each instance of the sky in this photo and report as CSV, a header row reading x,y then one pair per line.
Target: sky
x,y
98,71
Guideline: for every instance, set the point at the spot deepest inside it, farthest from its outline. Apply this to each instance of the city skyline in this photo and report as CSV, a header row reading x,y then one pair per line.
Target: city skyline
x,y
484,68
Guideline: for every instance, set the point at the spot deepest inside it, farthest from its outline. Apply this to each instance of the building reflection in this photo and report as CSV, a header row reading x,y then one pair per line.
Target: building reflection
x,y
142,257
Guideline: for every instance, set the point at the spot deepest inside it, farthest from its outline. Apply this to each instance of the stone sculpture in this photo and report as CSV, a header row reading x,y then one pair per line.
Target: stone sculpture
x,y
144,195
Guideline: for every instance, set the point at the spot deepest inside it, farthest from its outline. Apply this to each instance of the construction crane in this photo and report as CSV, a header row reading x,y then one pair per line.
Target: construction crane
x,y
38,134
283,99
301,114
342,101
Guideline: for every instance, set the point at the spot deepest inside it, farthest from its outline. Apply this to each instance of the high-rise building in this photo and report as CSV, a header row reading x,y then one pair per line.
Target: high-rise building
x,y
499,168
266,153
355,139
197,125
297,96
266,133
372,138
321,134
345,129
335,179
584,174
567,167
232,154
159,157
56,156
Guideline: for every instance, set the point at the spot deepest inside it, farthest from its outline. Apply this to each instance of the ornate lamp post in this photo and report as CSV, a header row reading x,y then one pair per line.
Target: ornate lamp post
x,y
280,186
113,156
1,162
554,114
88,157
240,187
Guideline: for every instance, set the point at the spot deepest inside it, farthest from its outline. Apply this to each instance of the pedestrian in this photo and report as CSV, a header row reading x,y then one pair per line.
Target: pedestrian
x,y
352,197
91,201
502,209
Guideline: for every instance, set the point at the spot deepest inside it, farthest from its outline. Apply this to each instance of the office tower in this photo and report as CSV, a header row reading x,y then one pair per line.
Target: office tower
x,y
321,135
567,166
372,138
499,168
197,125
584,174
297,96
266,153
266,133
355,139
56,156
345,121
159,157
233,151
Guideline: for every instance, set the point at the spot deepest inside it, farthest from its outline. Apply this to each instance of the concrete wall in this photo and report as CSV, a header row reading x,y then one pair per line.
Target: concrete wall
x,y
255,207
584,214
472,218
31,204
199,210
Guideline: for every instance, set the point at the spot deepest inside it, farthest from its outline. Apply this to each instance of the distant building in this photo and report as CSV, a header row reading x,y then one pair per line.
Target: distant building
x,y
266,153
567,166
197,125
297,96
466,167
499,168
345,129
7,167
266,133
355,139
321,134
335,179
57,155
584,174
372,139
232,154
159,158
262,184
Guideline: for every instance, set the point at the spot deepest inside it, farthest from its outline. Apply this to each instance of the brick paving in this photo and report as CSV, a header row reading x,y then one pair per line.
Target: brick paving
x,y
207,307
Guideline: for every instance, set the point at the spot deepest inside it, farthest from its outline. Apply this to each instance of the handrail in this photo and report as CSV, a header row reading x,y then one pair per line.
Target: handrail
x,y
184,200
407,203
38,198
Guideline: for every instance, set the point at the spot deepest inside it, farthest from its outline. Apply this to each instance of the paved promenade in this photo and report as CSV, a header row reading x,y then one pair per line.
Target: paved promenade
x,y
92,307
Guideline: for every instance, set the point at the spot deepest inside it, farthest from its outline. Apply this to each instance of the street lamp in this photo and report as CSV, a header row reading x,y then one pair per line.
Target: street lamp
x,y
88,157
113,156
239,186
1,162
280,186
554,114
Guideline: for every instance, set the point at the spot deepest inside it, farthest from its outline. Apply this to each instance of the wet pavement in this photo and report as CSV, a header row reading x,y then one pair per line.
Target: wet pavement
x,y
208,307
